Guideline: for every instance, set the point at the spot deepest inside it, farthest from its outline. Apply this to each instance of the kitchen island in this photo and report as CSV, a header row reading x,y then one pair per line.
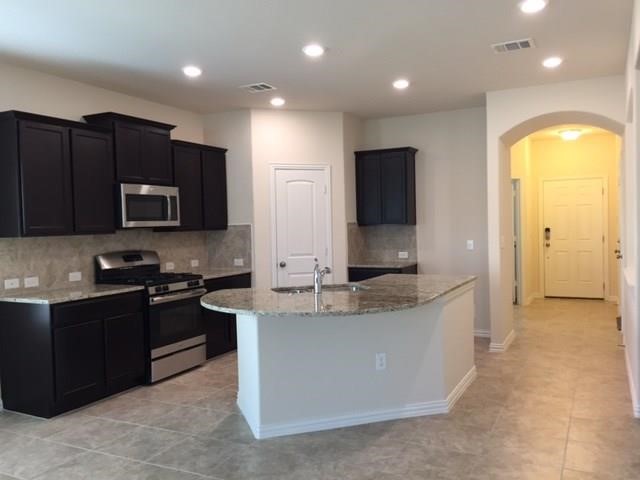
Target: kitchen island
x,y
392,347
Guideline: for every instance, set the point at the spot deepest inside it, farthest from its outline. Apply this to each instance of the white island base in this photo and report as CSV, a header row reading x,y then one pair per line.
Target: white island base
x,y
305,373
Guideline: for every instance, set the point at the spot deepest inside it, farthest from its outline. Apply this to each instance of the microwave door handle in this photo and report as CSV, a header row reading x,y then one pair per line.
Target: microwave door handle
x,y
169,212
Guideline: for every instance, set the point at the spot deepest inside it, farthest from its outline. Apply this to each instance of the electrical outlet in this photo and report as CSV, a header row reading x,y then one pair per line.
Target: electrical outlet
x,y
11,283
31,282
381,361
195,263
75,276
470,245
238,262
403,255
170,266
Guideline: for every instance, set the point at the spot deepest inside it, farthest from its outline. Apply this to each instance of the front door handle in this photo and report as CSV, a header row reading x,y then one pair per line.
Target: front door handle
x,y
282,264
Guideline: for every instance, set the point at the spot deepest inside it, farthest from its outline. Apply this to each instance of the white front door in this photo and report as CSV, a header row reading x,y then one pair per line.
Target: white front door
x,y
573,238
302,230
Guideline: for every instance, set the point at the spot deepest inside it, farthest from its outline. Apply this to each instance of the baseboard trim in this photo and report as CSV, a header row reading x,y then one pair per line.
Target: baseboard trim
x,y
635,403
613,299
412,410
532,297
495,347
482,333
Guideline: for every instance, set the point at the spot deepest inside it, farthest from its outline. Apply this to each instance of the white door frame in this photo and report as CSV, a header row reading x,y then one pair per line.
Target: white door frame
x,y
275,167
517,216
605,223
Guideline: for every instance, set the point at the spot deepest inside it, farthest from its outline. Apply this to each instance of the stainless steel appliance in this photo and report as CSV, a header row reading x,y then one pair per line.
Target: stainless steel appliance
x,y
149,206
174,332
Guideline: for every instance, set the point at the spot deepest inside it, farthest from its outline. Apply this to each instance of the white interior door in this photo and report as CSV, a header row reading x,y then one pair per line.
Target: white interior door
x,y
302,207
573,213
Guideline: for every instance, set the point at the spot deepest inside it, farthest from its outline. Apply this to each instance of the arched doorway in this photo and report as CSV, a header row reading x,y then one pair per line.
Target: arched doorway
x,y
500,228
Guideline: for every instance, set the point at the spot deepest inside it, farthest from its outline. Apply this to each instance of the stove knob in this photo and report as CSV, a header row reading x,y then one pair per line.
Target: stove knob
x,y
158,289
165,288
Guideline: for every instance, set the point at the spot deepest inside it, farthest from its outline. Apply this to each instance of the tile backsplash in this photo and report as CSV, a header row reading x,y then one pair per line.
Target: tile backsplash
x,y
51,259
227,245
381,243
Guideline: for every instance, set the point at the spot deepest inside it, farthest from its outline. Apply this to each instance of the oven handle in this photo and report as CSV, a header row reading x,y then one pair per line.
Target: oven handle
x,y
173,297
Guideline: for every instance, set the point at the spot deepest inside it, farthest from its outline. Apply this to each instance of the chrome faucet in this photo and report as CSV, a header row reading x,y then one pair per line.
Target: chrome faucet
x,y
318,275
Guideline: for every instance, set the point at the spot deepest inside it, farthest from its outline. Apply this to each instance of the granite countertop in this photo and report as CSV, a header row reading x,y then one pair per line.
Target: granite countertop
x,y
211,273
394,264
382,294
82,292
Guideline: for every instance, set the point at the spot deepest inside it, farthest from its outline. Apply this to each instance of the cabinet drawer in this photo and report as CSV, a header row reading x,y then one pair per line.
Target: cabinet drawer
x,y
94,309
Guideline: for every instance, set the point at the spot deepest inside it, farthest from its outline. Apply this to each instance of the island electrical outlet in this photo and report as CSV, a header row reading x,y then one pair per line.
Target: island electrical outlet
x,y
381,361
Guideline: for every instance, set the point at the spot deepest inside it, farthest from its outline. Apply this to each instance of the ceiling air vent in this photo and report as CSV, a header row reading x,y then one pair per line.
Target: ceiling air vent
x,y
258,87
513,45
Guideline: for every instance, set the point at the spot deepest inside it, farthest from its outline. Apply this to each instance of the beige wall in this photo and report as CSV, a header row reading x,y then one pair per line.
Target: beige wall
x,y
32,91
290,137
353,132
451,191
232,130
535,159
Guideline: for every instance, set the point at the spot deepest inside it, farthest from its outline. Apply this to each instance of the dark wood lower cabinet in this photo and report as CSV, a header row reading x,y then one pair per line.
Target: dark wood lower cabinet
x,y
221,327
54,358
357,274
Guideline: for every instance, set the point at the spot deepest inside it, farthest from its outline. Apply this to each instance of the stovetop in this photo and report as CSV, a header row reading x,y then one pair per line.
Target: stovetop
x,y
153,279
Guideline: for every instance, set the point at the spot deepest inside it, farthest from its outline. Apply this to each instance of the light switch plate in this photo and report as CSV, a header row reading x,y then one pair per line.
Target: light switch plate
x,y
238,262
11,283
170,266
403,255
75,276
470,245
31,282
195,263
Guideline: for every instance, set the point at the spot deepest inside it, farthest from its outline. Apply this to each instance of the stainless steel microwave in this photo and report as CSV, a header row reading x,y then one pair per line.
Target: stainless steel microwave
x,y
149,206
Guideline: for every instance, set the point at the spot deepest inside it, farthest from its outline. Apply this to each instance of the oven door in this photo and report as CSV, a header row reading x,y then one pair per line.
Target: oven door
x,y
175,321
149,206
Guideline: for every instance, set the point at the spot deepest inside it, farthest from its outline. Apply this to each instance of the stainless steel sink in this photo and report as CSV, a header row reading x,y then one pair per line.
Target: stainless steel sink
x,y
342,287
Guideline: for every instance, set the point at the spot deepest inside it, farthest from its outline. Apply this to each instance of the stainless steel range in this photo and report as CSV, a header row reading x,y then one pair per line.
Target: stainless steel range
x,y
174,330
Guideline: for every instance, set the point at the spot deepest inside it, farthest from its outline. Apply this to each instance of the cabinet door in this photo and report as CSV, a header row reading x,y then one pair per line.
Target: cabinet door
x,y
46,179
124,351
368,190
79,364
93,182
393,173
187,167
157,166
214,185
129,152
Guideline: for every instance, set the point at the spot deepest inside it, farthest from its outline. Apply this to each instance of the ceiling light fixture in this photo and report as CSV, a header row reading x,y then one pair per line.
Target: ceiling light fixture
x,y
313,50
401,84
533,6
552,62
192,71
570,135
277,101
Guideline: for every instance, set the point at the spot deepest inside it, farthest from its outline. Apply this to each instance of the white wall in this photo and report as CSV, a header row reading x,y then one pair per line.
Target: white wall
x,y
36,92
511,115
629,208
232,130
450,189
295,137
353,137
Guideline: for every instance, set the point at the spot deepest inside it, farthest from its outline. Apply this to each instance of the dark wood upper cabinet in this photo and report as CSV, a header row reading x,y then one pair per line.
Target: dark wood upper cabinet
x,y
36,176
214,181
187,163
93,181
385,186
201,174
142,148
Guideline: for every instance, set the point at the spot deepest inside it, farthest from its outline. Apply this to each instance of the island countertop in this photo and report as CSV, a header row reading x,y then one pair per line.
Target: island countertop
x,y
388,293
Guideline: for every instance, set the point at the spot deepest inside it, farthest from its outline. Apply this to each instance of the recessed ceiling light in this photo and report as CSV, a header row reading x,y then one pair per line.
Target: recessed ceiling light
x,y
401,84
192,71
570,135
313,50
277,101
533,6
552,62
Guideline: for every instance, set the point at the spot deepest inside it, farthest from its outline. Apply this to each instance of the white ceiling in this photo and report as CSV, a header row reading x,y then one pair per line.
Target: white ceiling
x,y
139,46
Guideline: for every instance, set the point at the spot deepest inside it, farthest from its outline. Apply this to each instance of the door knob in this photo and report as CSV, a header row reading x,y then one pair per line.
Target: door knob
x,y
283,264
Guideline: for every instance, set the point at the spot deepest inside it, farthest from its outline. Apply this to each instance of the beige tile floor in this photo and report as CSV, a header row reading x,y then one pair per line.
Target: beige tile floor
x,y
556,405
